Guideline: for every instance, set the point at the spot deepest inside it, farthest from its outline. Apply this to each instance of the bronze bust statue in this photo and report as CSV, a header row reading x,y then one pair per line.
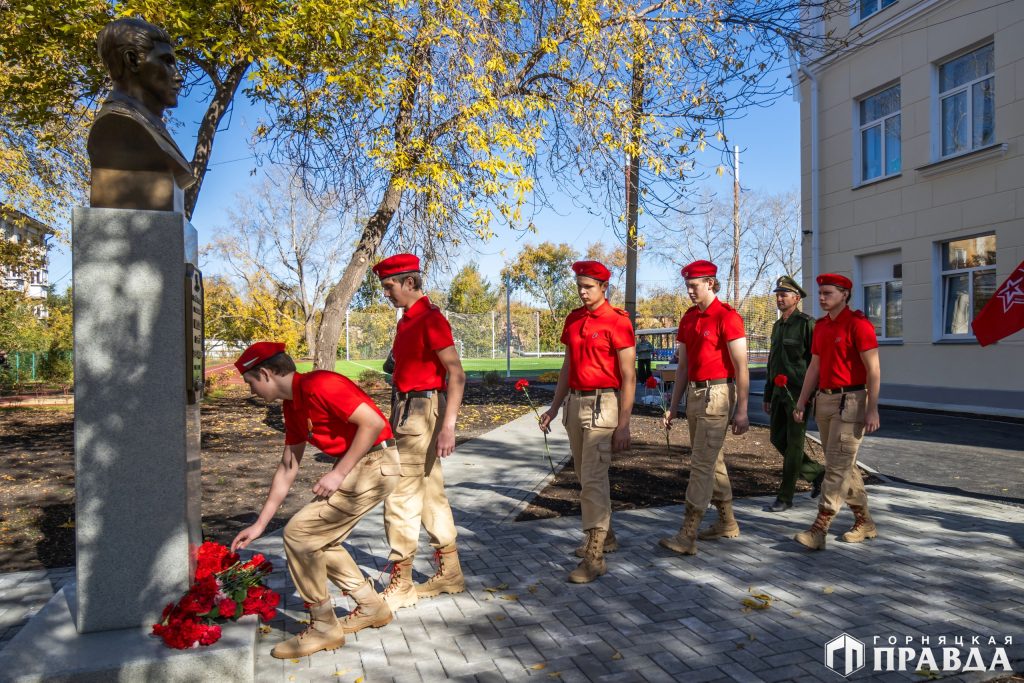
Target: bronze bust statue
x,y
135,162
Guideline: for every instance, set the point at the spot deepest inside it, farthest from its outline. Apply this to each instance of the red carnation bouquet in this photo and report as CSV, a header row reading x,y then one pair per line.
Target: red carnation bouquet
x,y
522,385
652,383
224,589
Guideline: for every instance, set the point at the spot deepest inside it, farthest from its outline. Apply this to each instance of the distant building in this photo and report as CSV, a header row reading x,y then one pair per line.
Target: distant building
x,y
18,227
912,162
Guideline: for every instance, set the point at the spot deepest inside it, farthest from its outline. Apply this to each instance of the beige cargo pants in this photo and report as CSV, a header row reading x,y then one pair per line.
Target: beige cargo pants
x,y
590,440
312,538
840,419
419,497
707,416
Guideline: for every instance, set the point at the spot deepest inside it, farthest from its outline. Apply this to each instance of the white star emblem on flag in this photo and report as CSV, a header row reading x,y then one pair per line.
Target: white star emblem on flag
x,y
1011,293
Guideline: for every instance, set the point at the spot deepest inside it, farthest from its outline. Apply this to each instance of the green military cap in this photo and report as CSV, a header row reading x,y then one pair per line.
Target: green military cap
x,y
788,284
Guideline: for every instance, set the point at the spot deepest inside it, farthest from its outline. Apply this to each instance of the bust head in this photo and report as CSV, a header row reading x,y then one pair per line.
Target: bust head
x,y
141,62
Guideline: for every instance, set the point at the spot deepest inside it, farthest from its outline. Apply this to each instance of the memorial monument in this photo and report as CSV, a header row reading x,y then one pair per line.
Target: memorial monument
x,y
138,344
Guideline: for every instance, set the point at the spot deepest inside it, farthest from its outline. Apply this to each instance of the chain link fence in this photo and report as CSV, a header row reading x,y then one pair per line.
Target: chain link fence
x,y
26,367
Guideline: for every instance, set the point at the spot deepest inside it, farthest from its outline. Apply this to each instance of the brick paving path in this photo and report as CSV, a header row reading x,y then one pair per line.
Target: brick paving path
x,y
945,565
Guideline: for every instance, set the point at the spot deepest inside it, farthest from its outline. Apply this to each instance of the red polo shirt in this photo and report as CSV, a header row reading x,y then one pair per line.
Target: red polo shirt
x,y
838,344
318,412
422,332
592,339
706,335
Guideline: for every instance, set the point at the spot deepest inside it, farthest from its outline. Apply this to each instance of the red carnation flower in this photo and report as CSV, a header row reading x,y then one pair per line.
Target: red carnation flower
x,y
781,380
651,382
207,634
226,608
521,385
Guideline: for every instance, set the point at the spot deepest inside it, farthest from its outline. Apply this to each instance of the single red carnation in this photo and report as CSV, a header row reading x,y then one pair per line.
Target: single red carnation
x,y
227,608
522,384
781,380
651,383
208,634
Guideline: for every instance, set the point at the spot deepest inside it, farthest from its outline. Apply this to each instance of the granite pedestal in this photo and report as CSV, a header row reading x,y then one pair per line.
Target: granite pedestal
x,y
50,649
137,460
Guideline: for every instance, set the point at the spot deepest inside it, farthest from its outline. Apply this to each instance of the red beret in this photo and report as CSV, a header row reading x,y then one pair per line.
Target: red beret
x,y
699,269
399,263
592,269
835,280
256,354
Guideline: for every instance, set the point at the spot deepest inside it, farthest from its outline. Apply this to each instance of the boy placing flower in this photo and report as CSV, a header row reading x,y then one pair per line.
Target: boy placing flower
x,y
330,412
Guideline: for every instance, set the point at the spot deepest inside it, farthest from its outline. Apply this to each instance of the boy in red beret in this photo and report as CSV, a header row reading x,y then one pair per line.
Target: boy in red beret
x,y
597,383
713,371
845,371
330,412
429,383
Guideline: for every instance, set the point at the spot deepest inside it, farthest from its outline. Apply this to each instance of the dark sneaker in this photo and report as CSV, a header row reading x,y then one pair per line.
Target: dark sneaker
x,y
778,506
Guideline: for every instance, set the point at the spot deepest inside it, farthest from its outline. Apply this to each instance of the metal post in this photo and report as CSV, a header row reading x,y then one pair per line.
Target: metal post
x,y
493,354
736,227
347,345
537,313
508,327
633,187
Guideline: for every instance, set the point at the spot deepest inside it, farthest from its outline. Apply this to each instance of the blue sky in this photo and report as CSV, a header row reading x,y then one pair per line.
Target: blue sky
x,y
769,139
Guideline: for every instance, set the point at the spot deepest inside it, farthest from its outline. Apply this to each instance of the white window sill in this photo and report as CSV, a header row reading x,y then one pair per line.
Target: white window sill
x,y
963,160
875,181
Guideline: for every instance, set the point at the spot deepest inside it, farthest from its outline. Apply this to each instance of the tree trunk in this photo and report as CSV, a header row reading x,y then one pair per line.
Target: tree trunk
x,y
341,294
376,227
222,98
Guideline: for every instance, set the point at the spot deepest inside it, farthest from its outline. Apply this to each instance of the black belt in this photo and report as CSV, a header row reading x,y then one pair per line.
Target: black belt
x,y
402,395
592,392
381,446
705,383
843,390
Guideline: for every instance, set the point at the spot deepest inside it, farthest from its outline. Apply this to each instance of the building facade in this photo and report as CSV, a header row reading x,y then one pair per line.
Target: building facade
x,y
912,158
18,227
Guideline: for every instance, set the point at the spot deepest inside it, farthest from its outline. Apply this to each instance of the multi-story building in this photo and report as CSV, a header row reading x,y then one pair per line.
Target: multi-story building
x,y
912,160
18,227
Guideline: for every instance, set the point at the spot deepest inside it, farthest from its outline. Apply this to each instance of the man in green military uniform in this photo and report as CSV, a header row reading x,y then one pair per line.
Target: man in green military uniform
x,y
789,356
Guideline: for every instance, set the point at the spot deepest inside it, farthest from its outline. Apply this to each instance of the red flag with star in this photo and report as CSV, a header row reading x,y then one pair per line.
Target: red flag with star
x,y
1004,313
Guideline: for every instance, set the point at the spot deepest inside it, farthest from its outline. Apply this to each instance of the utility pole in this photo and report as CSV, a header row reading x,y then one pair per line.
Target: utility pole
x,y
508,327
736,227
633,185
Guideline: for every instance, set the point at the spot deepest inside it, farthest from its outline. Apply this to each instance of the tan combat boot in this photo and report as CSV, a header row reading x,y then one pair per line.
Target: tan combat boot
x,y
685,542
814,538
725,526
611,544
325,632
370,611
448,578
400,591
863,526
593,564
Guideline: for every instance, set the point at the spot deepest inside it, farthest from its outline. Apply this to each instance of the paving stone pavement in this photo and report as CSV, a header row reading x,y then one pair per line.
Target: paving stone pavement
x,y
944,566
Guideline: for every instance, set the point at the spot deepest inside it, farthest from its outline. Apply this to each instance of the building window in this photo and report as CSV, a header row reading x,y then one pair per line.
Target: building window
x,y
880,134
881,281
968,282
967,101
869,7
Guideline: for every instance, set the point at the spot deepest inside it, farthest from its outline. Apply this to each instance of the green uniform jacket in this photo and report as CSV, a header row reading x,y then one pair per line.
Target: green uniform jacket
x,y
790,353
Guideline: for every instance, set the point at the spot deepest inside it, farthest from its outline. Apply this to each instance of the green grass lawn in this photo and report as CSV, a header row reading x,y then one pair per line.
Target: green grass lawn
x,y
521,367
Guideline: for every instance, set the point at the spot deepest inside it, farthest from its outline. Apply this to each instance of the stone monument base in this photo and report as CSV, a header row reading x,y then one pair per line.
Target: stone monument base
x,y
49,648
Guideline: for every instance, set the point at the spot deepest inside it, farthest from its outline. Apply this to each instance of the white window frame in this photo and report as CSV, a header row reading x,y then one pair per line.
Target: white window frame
x,y
858,141
939,97
857,17
865,279
941,287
